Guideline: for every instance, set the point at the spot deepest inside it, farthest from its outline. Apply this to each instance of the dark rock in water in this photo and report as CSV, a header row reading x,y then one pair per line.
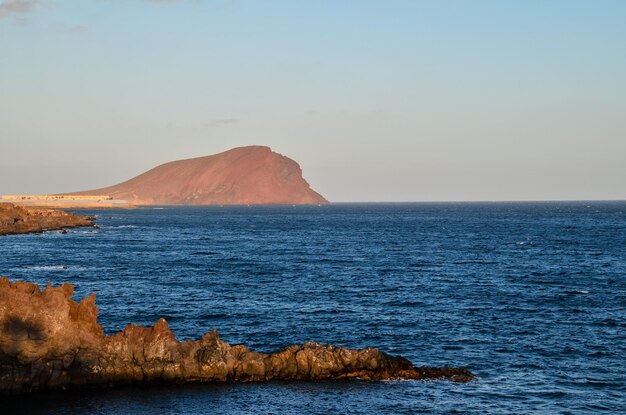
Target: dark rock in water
x,y
48,341
17,219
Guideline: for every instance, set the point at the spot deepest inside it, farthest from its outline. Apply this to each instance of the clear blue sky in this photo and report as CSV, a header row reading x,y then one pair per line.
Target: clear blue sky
x,y
377,100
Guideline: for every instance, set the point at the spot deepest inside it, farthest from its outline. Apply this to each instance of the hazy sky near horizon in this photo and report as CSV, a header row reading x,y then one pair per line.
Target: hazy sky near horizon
x,y
377,100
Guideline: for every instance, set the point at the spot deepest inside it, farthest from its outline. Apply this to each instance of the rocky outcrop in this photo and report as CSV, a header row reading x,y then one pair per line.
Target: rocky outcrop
x,y
253,175
48,341
16,219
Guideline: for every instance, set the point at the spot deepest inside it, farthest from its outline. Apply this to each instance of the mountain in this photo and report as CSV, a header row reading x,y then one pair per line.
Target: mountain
x,y
251,175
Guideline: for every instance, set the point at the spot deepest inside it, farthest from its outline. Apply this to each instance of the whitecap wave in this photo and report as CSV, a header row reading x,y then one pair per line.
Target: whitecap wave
x,y
44,267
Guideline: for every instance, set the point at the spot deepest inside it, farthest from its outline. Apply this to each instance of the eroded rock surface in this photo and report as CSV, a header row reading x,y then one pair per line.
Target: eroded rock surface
x,y
17,219
48,341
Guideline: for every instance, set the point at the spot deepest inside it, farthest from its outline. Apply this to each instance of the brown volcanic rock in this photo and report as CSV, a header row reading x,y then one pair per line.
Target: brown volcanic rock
x,y
16,219
251,175
48,341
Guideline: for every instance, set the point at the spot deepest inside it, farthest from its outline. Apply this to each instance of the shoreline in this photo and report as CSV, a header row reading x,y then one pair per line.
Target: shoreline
x,y
16,220
50,342
66,202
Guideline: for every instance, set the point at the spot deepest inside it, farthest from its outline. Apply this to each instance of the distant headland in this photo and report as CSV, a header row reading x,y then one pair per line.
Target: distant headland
x,y
253,175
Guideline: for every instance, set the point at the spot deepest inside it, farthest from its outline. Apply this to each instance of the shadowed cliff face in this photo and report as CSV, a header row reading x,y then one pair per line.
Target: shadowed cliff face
x,y
16,219
48,341
242,176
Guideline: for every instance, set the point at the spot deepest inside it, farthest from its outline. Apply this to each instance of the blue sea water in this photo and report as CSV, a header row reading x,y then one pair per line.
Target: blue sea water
x,y
531,297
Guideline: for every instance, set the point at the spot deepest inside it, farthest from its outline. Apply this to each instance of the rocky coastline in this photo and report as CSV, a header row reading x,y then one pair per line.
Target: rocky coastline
x,y
17,219
50,342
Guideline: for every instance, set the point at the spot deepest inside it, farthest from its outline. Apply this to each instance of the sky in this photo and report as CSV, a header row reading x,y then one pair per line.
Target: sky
x,y
385,100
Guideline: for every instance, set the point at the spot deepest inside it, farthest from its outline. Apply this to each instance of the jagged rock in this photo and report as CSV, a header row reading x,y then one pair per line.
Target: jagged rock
x,y
48,341
17,219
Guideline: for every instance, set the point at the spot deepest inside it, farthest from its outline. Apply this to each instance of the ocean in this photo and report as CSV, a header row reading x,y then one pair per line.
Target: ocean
x,y
531,297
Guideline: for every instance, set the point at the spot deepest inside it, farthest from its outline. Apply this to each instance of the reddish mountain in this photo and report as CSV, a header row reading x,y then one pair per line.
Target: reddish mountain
x,y
252,175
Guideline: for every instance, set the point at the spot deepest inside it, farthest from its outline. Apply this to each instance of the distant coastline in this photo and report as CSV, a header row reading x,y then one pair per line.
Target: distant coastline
x,y
66,201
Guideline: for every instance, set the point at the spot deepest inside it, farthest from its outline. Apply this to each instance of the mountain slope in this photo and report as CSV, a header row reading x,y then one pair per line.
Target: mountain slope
x,y
242,176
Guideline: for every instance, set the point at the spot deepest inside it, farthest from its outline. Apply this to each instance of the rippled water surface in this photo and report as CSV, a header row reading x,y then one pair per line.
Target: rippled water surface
x,y
529,296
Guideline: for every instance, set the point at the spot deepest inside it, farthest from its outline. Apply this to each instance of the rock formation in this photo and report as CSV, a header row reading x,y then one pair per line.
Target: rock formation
x,y
48,341
16,219
251,175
